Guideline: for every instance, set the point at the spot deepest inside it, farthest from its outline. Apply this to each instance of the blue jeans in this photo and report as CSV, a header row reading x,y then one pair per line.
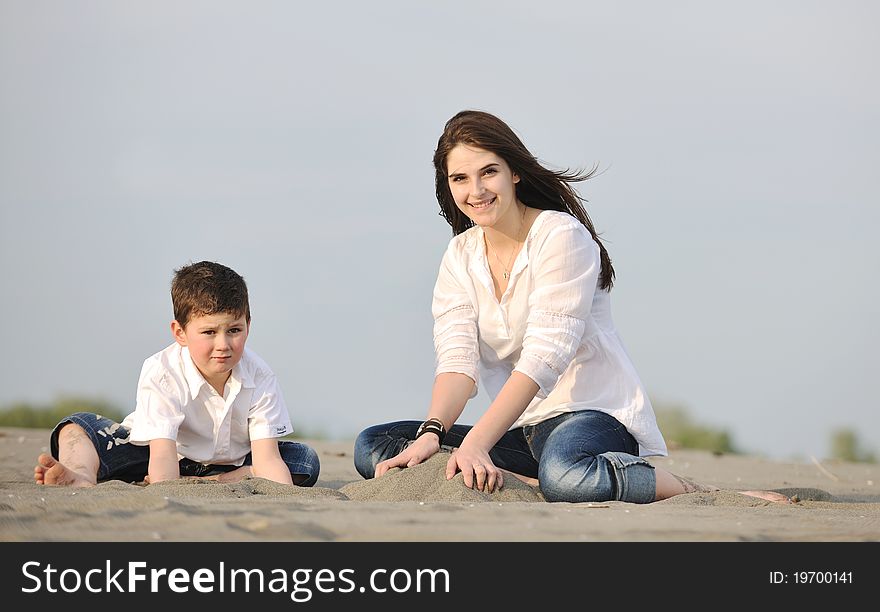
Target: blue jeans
x,y
585,456
119,460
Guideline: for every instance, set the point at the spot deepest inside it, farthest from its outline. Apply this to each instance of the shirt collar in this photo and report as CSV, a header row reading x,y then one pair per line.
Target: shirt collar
x,y
239,378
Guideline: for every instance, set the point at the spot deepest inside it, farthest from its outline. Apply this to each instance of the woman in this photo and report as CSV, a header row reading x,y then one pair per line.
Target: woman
x,y
522,306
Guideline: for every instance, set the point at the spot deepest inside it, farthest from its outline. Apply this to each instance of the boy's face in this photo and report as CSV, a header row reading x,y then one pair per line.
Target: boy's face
x,y
215,342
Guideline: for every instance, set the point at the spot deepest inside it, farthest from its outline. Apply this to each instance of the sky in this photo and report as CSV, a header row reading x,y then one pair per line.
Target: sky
x,y
737,147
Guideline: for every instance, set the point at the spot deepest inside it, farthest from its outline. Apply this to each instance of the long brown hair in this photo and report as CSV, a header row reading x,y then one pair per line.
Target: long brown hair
x,y
538,186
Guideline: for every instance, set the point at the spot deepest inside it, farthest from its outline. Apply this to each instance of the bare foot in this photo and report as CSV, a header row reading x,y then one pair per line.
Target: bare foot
x,y
692,486
771,496
51,472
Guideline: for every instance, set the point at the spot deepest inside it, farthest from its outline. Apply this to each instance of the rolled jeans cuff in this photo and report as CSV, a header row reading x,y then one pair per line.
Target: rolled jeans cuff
x,y
635,478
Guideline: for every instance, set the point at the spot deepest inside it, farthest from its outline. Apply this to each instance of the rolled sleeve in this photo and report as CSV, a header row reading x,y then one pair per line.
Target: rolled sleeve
x,y
566,268
456,341
268,416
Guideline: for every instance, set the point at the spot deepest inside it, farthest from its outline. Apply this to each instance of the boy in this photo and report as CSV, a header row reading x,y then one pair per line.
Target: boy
x,y
206,406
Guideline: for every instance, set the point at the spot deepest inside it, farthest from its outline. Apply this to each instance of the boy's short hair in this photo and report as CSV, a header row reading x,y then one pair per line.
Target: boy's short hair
x,y
207,288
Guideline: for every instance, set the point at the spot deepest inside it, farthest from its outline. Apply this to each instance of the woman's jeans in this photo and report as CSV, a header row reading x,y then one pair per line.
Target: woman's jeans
x,y
585,456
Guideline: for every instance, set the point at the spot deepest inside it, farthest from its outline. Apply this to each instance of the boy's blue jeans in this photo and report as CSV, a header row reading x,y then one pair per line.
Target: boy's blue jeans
x,y
585,456
119,460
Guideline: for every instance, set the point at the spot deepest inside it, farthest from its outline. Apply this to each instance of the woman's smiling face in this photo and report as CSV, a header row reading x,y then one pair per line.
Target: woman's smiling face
x,y
482,185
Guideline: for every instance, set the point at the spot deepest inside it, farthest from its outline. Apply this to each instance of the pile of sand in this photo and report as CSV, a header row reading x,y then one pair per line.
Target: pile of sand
x,y
427,482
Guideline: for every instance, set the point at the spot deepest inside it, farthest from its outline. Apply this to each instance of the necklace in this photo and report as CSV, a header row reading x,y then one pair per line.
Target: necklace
x,y
506,273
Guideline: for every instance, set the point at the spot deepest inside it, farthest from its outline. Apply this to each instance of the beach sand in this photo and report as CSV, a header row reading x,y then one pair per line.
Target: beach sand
x,y
837,501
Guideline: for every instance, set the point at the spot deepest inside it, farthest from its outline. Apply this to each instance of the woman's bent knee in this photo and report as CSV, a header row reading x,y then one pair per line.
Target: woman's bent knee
x,y
363,454
575,491
610,476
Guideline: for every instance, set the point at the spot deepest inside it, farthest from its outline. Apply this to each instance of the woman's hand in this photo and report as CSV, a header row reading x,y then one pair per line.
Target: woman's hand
x,y
476,468
422,448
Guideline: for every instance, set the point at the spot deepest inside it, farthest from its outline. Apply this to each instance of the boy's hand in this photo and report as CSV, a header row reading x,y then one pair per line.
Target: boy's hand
x,y
267,461
163,461
423,448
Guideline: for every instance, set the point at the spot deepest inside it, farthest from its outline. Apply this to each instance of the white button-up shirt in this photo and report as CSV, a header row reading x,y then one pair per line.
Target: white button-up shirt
x,y
174,401
553,324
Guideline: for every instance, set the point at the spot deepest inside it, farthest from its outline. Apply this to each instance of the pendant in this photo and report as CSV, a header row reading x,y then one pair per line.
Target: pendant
x,y
506,275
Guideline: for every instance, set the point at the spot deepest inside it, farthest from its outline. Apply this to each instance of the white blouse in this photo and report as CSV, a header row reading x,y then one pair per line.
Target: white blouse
x,y
553,324
174,401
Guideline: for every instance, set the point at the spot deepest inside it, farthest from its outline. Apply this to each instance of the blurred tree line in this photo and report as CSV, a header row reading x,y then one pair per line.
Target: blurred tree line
x,y
22,414
47,416
845,446
680,431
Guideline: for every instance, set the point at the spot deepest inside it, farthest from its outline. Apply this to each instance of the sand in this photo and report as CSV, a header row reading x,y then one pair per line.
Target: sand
x,y
837,501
